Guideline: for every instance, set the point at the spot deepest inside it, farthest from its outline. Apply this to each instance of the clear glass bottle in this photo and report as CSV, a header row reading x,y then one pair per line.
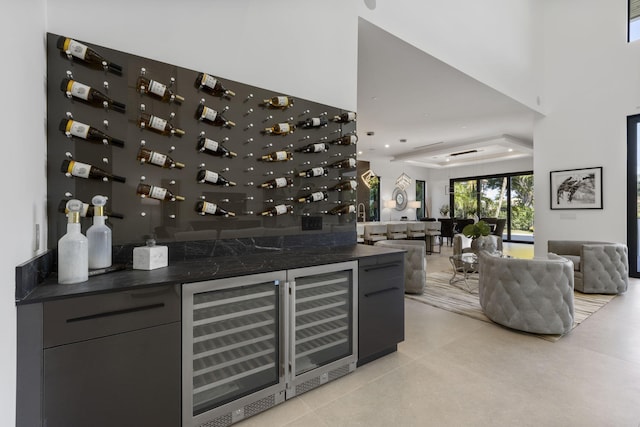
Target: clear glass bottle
x,y
99,236
73,249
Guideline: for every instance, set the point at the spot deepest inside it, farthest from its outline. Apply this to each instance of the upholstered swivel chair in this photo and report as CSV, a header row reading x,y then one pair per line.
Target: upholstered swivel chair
x,y
531,295
599,267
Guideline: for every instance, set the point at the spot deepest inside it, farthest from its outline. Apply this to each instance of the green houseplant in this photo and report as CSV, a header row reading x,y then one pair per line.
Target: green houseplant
x,y
480,237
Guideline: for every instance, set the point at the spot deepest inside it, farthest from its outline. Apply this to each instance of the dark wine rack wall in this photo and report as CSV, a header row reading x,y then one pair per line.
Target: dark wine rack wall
x,y
178,220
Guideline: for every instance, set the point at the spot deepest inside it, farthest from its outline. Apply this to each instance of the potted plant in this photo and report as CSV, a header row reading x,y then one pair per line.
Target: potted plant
x,y
479,233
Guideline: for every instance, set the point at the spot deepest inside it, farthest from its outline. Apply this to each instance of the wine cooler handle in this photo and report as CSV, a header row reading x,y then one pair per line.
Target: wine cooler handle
x,y
380,267
382,291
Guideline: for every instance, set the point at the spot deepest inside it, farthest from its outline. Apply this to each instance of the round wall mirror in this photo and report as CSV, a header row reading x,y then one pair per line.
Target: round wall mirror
x,y
400,196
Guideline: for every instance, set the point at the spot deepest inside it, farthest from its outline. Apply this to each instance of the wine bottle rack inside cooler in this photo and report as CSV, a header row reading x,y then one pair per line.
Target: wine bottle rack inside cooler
x,y
323,325
232,364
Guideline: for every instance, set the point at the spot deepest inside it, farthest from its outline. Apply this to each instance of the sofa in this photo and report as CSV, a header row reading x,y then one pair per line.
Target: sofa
x,y
599,267
415,263
531,295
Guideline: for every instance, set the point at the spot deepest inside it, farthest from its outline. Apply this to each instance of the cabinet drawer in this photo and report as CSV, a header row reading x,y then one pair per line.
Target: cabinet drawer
x,y
82,318
381,277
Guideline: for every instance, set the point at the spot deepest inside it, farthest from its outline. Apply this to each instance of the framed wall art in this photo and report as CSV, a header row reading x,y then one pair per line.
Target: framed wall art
x,y
576,188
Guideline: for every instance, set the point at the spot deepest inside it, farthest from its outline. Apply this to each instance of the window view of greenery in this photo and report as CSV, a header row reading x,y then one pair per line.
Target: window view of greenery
x,y
420,213
507,197
374,198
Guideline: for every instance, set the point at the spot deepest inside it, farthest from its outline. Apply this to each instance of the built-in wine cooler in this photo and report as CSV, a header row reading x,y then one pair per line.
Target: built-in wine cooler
x,y
250,342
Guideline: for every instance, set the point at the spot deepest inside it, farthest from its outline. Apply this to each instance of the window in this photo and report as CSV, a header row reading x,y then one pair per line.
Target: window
x,y
633,194
634,20
505,196
420,185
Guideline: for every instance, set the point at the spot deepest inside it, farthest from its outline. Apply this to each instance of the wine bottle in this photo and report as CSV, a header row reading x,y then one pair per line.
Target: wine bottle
x,y
277,156
157,90
208,208
86,54
345,186
158,125
313,122
89,133
83,170
90,95
314,148
314,197
280,129
277,210
279,102
210,115
87,210
158,159
346,140
342,210
210,177
345,117
344,163
158,193
313,172
212,86
277,183
210,146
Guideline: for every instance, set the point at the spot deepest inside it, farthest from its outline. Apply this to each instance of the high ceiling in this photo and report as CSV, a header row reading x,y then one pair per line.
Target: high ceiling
x,y
446,117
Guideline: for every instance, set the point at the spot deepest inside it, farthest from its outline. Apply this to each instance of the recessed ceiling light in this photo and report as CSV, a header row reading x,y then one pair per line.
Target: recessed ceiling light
x,y
403,140
386,145
359,152
447,159
510,150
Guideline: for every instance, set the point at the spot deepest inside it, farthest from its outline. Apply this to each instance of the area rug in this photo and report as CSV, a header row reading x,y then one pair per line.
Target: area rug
x,y
439,293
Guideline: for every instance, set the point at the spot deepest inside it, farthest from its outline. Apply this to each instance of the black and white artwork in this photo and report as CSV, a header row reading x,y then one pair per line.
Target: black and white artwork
x,y
576,188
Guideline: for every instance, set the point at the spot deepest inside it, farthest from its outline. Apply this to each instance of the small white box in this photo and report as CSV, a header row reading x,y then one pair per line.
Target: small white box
x,y
150,257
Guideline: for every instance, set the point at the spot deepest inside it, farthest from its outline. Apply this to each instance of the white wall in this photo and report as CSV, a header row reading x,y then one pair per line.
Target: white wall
x,y
490,40
389,173
303,48
23,169
438,178
592,83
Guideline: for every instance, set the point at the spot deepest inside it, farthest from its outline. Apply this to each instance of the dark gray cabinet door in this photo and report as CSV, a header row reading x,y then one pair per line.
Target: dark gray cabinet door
x,y
128,379
380,306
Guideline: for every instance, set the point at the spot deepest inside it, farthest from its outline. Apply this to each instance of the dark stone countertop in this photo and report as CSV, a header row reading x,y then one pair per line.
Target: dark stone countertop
x,y
208,268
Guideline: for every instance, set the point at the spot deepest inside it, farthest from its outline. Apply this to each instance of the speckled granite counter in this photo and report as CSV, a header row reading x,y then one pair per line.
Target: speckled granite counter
x,y
200,269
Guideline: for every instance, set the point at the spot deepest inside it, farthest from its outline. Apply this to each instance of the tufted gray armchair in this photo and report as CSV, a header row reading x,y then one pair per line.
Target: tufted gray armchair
x,y
599,267
531,295
415,263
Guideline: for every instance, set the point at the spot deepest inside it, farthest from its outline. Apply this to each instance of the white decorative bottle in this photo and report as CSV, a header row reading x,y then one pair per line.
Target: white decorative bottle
x,y
99,236
73,249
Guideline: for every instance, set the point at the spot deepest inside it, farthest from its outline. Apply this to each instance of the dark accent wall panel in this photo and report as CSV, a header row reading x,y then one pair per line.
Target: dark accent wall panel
x,y
178,221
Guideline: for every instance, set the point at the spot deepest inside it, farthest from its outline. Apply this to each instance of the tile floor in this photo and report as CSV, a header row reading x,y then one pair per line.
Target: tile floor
x,y
452,370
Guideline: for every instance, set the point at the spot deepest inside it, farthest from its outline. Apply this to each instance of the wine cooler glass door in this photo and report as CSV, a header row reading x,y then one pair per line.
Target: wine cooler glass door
x,y
231,340
323,321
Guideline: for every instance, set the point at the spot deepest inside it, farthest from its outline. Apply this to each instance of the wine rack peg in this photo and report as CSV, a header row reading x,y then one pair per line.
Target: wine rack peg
x,y
249,169
305,112
224,200
288,146
269,145
202,101
324,162
290,119
202,166
105,179
268,173
69,56
142,143
203,198
290,172
224,170
172,148
323,187
249,97
249,198
268,201
105,123
305,137
289,199
172,82
249,111
250,140
248,212
250,184
172,216
105,84
249,126
143,107
248,155
324,113
172,115
143,72
105,66
68,155
105,104
305,163
324,138
70,75
266,119
307,188
105,160
143,214
69,115
336,155
172,182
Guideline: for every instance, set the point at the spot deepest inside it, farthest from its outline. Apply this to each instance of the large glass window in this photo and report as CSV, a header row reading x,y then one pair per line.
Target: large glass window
x,y
634,20
374,199
420,186
507,196
633,194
